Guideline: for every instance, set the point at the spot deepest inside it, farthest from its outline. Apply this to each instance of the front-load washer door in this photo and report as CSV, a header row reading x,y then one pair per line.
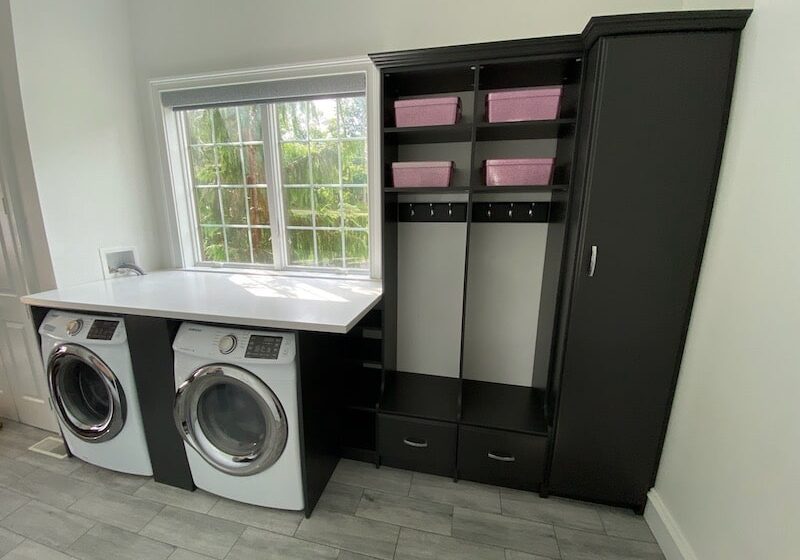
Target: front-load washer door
x,y
87,396
232,419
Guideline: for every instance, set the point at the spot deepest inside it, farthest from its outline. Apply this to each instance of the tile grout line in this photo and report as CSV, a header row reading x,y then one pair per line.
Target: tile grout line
x,y
19,506
64,550
228,553
397,541
558,544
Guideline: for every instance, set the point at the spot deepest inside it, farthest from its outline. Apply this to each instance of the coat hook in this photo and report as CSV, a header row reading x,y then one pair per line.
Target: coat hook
x,y
431,207
411,207
511,210
449,208
489,211
530,212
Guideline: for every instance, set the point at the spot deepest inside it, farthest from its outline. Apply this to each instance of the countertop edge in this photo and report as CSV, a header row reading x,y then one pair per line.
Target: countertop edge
x,y
202,317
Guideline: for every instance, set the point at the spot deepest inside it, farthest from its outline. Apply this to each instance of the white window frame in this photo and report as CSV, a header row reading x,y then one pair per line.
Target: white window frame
x,y
175,177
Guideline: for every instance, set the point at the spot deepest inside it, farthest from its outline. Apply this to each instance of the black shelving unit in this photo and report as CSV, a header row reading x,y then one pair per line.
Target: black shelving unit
x,y
590,423
434,408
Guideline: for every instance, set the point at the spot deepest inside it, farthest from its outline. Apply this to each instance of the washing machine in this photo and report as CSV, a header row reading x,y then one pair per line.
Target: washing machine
x,y
236,408
92,389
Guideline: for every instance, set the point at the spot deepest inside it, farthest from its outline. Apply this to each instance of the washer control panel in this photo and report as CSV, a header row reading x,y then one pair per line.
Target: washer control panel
x,y
102,329
67,326
263,347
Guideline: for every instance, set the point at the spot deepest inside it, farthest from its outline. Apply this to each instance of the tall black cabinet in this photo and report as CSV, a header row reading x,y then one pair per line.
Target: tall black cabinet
x,y
657,108
612,267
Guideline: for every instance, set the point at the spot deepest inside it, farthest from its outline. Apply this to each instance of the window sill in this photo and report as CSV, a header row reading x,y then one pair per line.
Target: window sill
x,y
360,277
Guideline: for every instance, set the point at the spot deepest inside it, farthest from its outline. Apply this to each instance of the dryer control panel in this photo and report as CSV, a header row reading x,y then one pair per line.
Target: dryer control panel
x,y
235,345
264,347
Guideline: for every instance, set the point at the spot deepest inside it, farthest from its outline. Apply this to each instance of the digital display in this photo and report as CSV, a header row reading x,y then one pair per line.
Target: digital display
x,y
264,347
102,330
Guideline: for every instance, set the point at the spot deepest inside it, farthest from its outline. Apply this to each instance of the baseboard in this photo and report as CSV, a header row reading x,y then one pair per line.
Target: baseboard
x,y
666,531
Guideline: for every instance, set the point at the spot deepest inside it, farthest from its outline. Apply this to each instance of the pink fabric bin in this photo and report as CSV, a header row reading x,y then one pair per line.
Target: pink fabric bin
x,y
513,172
429,111
422,173
531,104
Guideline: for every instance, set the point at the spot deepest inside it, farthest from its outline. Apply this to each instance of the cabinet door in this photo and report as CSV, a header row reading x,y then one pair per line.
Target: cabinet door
x,y
658,113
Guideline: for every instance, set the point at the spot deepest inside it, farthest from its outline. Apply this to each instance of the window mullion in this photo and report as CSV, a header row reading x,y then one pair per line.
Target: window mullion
x,y
270,134
341,181
194,224
311,180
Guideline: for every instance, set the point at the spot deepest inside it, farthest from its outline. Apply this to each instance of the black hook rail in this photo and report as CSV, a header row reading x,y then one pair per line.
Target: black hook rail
x,y
516,212
432,211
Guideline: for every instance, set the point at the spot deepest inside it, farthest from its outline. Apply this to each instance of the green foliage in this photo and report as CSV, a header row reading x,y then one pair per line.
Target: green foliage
x,y
238,244
317,150
353,117
301,247
292,121
294,163
207,202
234,206
259,207
262,245
212,243
250,123
204,169
322,150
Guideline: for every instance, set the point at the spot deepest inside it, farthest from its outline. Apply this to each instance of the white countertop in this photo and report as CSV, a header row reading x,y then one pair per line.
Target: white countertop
x,y
283,302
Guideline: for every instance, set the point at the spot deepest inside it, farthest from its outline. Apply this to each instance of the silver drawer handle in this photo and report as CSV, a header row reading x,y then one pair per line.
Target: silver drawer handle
x,y
412,443
503,458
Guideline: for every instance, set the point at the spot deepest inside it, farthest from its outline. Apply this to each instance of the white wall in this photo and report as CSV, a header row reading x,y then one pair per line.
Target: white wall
x,y
76,77
16,166
188,36
730,472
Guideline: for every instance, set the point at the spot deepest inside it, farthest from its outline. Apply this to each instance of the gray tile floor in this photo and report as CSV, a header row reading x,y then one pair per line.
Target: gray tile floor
x,y
54,509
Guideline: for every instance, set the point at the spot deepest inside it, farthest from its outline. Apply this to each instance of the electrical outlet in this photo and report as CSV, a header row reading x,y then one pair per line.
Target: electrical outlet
x,y
112,257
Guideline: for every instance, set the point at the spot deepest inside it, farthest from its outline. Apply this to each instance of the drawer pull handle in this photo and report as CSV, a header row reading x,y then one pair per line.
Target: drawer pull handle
x,y
503,458
412,443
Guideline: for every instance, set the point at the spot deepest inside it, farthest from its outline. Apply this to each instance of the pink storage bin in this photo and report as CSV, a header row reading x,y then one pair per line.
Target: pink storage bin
x,y
429,111
422,173
512,172
530,104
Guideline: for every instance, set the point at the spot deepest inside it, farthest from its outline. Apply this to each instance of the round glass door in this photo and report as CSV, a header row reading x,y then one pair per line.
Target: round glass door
x,y
87,396
232,419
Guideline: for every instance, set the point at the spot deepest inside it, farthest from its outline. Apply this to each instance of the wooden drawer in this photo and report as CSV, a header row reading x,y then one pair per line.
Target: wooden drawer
x,y
502,458
420,445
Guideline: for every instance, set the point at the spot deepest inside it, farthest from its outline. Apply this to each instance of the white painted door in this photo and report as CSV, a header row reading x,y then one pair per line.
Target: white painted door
x,y
23,390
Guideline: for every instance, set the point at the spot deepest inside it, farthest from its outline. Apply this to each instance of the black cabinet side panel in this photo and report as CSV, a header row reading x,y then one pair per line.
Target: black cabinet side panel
x,y
658,124
323,359
150,341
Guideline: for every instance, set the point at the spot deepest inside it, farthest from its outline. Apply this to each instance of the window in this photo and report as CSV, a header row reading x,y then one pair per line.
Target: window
x,y
281,185
323,169
225,149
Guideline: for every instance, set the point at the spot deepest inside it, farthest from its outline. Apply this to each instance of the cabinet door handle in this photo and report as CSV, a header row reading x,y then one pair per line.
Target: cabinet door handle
x,y
592,261
503,458
412,443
